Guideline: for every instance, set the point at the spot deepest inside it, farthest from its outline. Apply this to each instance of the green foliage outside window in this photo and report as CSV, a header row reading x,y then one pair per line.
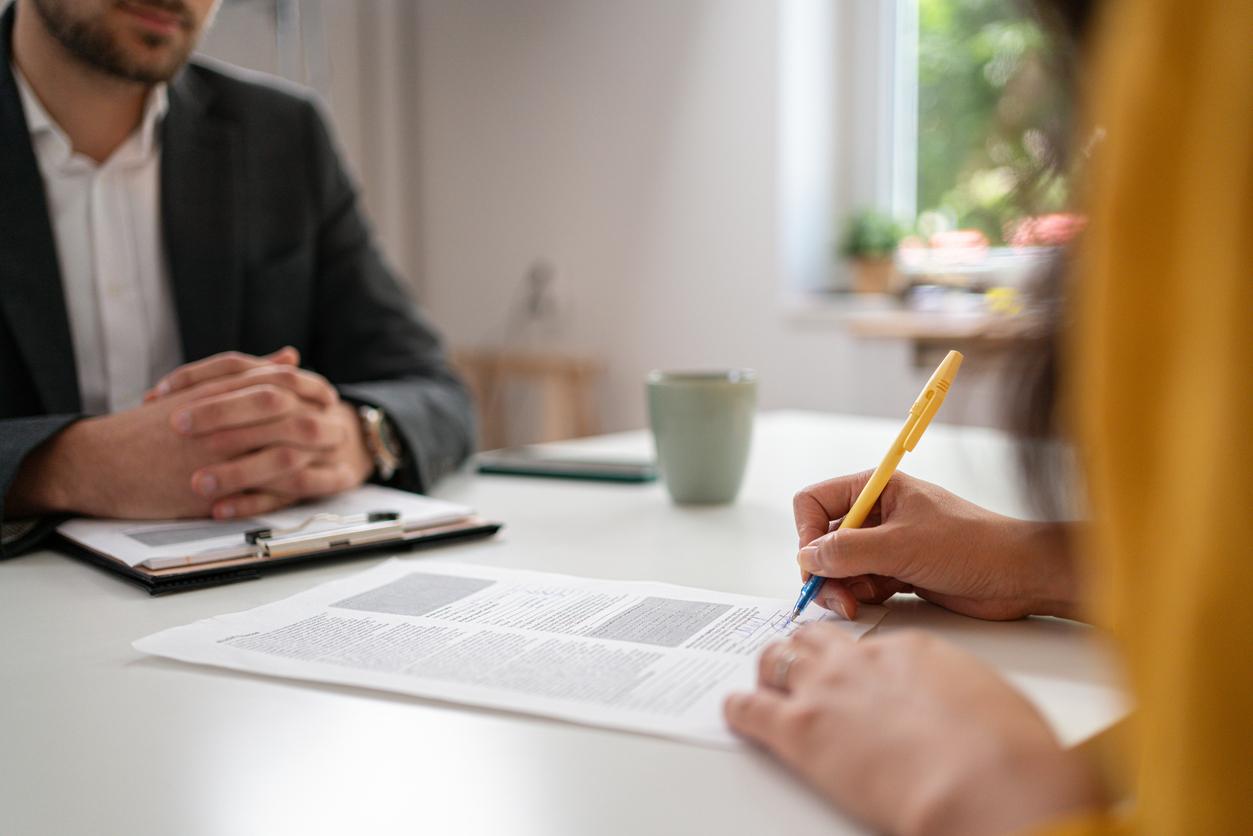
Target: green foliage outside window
x,y
988,116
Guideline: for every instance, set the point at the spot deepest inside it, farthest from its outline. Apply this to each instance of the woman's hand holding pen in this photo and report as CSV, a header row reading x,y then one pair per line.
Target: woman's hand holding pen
x,y
925,540
905,731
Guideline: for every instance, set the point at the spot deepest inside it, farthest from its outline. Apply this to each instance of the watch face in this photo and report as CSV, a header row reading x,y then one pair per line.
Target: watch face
x,y
387,435
381,439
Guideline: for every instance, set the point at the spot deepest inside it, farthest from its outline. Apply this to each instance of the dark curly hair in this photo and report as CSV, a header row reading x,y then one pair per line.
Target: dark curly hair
x,y
1033,374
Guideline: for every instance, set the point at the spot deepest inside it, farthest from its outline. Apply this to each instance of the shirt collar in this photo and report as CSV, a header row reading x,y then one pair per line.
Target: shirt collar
x,y
37,119
154,111
40,123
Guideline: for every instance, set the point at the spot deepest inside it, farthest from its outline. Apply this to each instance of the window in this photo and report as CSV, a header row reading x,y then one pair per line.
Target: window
x,y
941,113
988,120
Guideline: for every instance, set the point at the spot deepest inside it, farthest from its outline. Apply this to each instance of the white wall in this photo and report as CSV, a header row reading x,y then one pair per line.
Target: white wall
x,y
635,146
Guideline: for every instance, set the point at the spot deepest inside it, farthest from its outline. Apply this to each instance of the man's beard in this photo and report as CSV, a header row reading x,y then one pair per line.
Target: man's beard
x,y
92,43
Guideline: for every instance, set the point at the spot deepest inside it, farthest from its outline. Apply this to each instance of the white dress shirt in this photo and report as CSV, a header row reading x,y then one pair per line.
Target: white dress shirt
x,y
106,222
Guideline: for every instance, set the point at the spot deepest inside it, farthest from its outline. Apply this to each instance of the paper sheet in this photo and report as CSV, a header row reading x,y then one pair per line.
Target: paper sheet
x,y
146,541
639,656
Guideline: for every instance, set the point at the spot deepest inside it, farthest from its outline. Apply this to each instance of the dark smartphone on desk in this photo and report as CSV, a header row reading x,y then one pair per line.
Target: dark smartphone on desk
x,y
537,461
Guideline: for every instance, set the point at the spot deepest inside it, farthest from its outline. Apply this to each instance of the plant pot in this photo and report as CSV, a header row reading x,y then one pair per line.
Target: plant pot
x,y
874,275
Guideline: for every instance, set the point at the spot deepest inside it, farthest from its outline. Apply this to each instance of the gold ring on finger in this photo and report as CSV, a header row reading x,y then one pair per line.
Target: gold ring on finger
x,y
782,666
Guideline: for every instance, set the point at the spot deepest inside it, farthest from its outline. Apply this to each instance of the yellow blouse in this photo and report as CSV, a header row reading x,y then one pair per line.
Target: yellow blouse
x,y
1161,371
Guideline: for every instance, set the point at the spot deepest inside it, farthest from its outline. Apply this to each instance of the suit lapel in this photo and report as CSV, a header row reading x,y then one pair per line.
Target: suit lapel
x,y
31,296
201,180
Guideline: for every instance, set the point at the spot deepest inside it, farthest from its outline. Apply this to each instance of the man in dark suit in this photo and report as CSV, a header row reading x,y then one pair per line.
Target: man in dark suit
x,y
175,242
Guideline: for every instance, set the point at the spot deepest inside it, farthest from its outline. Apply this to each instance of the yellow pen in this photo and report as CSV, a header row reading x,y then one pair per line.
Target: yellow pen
x,y
920,415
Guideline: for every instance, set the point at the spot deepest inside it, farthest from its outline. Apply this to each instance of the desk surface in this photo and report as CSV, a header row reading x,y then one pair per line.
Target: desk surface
x,y
95,738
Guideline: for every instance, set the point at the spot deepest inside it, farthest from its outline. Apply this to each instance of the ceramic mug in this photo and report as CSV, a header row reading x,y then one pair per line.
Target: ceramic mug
x,y
702,426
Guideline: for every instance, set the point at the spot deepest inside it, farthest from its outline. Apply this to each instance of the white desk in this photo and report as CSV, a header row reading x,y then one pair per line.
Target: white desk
x,y
95,739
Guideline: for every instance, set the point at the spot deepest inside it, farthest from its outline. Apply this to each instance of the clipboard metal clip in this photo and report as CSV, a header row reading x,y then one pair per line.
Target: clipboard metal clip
x,y
352,530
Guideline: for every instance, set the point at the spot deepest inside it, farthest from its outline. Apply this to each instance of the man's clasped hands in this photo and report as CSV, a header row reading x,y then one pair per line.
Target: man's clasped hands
x,y
229,436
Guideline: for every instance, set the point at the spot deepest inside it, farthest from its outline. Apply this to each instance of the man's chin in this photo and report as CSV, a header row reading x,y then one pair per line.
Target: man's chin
x,y
151,58
120,43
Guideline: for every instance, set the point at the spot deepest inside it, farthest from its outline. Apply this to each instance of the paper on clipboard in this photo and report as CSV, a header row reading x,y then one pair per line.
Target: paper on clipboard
x,y
154,542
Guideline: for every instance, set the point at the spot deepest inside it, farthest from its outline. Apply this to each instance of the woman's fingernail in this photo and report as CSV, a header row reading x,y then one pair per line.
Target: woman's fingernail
x,y
809,554
844,610
226,511
163,388
182,420
862,589
206,484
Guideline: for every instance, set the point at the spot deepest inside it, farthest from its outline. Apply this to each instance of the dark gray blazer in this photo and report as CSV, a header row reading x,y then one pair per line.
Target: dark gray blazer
x,y
266,246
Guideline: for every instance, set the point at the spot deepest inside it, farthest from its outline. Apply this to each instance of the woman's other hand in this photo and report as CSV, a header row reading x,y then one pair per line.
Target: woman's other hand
x,y
910,734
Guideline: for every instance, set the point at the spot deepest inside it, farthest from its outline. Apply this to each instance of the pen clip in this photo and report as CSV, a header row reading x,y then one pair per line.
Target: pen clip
x,y
925,408
353,530
933,394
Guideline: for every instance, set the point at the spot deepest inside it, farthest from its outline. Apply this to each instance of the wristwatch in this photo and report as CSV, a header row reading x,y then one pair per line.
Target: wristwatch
x,y
381,440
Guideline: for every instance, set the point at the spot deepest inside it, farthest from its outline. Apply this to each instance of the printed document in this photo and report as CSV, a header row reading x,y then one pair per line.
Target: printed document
x,y
639,656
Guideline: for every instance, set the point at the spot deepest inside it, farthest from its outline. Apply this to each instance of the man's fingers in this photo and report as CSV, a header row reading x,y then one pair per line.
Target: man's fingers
x,y
251,471
307,429
308,385
318,480
250,504
219,365
242,407
226,363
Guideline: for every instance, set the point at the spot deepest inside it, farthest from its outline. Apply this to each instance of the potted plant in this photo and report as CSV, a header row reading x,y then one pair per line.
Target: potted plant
x,y
869,243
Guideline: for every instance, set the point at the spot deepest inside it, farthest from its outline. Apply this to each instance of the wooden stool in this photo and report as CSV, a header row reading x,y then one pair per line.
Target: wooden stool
x,y
564,384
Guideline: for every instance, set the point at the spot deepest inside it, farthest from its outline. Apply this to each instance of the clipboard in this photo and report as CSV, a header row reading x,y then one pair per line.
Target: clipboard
x,y
272,549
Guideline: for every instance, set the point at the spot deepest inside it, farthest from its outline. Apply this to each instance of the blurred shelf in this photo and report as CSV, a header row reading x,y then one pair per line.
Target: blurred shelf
x,y
925,325
984,337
